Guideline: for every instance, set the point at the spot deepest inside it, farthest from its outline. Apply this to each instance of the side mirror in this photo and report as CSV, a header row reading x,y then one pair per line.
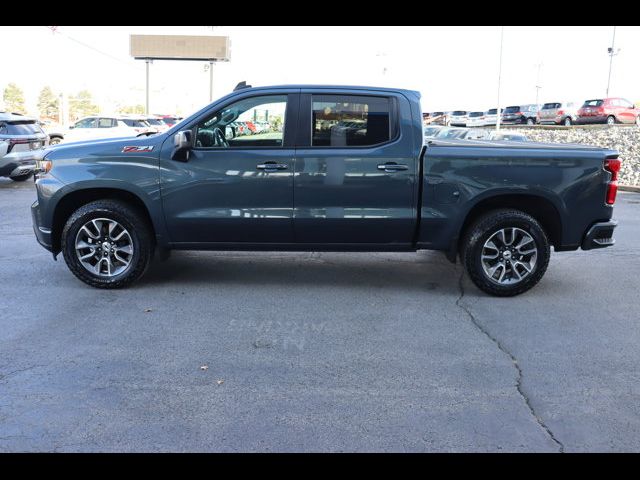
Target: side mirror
x,y
183,142
72,126
229,132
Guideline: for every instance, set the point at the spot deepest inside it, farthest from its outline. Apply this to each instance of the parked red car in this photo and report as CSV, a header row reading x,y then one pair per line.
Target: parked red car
x,y
608,110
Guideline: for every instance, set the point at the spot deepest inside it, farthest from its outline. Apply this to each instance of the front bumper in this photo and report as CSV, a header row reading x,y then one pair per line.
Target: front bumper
x,y
17,167
43,235
599,235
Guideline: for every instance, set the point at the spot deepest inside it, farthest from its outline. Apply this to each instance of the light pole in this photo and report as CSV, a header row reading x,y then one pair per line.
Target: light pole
x,y
148,61
498,113
538,87
611,50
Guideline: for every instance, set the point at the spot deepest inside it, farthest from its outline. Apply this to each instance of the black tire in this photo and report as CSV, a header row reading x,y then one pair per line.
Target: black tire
x,y
530,121
611,120
131,219
21,178
482,229
567,122
55,140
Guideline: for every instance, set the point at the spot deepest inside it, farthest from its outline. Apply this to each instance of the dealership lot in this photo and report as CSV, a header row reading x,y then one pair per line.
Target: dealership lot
x,y
225,351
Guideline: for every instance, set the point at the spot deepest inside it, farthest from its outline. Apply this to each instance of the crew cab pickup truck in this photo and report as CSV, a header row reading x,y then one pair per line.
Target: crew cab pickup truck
x,y
337,169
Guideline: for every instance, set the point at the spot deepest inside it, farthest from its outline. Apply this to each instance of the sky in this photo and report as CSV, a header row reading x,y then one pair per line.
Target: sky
x,y
454,68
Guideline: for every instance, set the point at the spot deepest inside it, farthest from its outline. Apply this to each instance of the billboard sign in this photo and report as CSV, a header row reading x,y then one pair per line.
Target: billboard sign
x,y
180,47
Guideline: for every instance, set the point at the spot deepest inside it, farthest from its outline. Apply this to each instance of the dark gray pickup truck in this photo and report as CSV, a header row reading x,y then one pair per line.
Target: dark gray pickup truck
x,y
321,168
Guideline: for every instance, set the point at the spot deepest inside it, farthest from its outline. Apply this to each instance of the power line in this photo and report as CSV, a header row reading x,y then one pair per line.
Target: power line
x,y
55,30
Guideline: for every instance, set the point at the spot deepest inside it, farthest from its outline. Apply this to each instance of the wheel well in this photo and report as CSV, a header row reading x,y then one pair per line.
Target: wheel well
x,y
74,200
538,207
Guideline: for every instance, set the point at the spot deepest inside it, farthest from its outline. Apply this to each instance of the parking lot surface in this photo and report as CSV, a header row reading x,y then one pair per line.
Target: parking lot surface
x,y
224,351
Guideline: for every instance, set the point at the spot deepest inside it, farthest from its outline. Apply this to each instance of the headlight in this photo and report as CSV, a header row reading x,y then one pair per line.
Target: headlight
x,y
43,165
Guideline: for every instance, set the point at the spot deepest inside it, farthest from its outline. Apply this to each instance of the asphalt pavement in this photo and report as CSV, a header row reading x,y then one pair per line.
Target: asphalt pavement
x,y
225,351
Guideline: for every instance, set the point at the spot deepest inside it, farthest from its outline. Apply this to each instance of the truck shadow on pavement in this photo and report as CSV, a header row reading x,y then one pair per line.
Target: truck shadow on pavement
x,y
422,271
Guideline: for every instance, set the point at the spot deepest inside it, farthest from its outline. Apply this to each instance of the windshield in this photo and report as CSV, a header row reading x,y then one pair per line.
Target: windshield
x,y
494,111
550,106
476,114
154,121
20,128
459,112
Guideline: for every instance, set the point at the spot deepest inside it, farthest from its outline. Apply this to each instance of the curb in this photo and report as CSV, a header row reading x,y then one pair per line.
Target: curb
x,y
629,188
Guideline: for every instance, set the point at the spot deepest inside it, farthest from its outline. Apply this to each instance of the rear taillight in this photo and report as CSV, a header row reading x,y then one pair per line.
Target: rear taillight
x,y
612,165
560,112
15,141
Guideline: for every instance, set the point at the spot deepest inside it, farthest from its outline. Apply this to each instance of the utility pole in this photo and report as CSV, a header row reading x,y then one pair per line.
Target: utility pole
x,y
498,114
538,87
612,52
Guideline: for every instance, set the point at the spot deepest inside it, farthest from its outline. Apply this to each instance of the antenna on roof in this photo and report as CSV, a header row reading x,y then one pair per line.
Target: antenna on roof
x,y
241,85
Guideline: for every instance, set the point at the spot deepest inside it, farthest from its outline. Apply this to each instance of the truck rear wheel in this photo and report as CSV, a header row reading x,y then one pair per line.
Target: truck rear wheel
x,y
505,252
107,243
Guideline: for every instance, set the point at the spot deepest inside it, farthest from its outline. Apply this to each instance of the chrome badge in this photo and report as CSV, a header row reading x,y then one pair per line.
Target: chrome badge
x,y
134,149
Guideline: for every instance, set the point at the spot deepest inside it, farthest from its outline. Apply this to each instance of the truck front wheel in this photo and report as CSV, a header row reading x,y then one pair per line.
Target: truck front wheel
x,y
107,243
505,252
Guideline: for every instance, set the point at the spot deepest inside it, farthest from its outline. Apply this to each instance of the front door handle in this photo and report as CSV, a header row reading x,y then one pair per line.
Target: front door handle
x,y
272,166
392,167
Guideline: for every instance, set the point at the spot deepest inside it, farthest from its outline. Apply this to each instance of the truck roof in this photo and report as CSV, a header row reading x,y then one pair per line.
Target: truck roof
x,y
336,87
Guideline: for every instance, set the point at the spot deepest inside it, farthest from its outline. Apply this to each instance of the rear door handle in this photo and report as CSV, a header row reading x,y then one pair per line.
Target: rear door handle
x,y
392,167
272,166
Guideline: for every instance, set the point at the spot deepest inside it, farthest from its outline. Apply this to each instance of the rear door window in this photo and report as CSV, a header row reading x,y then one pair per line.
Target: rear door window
x,y
350,120
134,123
513,109
106,123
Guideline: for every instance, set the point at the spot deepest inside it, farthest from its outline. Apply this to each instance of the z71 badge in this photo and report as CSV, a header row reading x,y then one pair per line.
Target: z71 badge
x,y
132,149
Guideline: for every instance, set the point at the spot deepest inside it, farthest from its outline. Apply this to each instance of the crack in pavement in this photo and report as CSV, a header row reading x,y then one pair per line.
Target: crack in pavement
x,y
3,377
514,360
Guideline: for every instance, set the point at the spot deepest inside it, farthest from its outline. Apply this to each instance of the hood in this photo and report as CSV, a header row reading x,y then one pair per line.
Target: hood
x,y
106,147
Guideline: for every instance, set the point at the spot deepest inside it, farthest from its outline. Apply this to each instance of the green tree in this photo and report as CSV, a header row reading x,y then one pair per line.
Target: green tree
x,y
48,104
13,99
131,109
81,105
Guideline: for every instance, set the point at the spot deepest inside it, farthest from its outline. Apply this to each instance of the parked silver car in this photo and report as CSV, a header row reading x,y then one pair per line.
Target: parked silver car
x,y
20,139
559,113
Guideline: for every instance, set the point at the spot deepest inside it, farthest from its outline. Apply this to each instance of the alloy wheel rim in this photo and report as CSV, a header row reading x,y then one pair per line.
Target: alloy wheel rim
x,y
104,247
509,256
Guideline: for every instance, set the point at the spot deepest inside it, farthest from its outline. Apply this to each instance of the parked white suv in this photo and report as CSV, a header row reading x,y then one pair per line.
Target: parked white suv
x,y
96,127
21,139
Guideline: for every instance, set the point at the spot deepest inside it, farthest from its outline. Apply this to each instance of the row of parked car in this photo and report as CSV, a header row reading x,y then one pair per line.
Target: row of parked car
x,y
603,110
21,136
111,126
